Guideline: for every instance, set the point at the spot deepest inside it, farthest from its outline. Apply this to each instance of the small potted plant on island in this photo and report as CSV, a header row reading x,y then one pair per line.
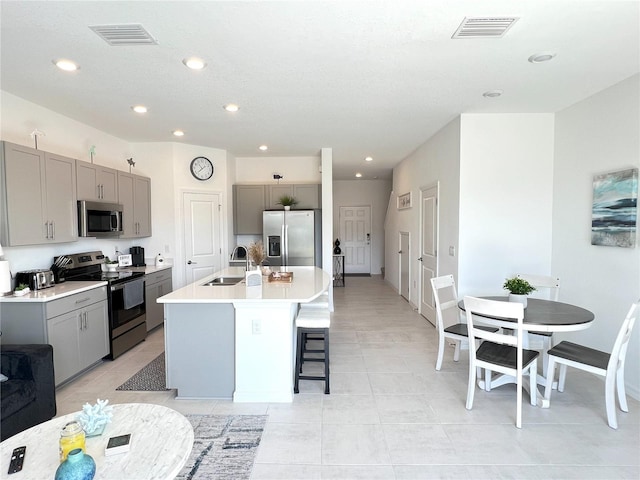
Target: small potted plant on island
x,y
518,289
287,201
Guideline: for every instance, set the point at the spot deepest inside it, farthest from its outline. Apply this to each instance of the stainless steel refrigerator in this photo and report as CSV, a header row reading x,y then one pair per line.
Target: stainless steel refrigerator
x,y
292,238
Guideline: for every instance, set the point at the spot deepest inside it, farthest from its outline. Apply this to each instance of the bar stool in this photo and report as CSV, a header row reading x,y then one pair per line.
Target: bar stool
x,y
316,321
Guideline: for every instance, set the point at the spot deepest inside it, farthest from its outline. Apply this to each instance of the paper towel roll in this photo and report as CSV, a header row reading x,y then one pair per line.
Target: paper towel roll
x,y
5,277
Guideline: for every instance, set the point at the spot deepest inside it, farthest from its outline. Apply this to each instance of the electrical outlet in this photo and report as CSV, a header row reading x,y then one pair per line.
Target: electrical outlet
x,y
256,326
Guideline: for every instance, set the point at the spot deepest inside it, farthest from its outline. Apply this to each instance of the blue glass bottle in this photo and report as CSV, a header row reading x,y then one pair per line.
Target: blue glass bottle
x,y
77,466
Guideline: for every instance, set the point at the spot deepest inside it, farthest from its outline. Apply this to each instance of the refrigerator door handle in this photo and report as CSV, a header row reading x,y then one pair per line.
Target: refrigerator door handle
x,y
285,245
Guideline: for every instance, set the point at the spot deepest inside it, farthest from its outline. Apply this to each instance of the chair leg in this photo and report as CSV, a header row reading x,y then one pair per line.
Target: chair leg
x,y
551,372
326,361
547,343
533,382
440,352
610,401
298,368
562,377
622,396
487,380
456,351
471,388
519,399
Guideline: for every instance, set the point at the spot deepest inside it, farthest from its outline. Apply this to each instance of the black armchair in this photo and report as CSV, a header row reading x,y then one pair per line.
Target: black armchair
x,y
29,395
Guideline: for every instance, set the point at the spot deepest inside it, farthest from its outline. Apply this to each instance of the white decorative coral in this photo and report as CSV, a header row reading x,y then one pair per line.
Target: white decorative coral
x,y
94,418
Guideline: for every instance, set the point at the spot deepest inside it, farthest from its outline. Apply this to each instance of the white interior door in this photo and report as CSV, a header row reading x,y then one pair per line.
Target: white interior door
x,y
404,253
355,238
428,250
203,235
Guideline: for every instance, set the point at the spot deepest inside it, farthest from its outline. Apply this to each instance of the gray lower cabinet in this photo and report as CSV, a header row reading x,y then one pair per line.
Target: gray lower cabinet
x,y
76,326
157,284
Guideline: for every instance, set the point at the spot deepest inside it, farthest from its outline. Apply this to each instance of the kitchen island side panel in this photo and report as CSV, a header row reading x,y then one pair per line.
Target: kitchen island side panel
x,y
200,349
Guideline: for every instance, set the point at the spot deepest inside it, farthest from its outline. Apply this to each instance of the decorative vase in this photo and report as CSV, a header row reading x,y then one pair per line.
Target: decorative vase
x,y
518,298
287,207
77,466
337,250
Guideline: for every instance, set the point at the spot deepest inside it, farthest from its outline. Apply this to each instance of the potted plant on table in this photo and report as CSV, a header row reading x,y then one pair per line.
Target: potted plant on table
x,y
109,265
518,289
287,201
21,289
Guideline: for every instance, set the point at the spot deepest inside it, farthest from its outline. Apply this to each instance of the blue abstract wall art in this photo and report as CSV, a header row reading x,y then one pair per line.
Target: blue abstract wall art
x,y
615,209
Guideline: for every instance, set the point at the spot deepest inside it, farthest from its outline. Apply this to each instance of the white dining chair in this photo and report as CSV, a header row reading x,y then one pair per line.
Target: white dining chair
x,y
500,352
446,300
551,286
608,365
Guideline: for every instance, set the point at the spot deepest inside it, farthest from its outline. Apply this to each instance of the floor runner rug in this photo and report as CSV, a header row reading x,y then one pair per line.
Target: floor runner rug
x,y
224,447
150,378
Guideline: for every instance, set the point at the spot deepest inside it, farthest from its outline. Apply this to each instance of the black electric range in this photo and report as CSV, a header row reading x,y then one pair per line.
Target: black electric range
x,y
125,297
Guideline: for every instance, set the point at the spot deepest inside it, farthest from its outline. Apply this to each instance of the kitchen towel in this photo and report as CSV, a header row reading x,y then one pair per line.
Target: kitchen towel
x,y
133,293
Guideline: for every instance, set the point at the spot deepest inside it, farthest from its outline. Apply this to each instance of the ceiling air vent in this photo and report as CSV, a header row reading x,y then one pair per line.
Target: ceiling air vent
x,y
124,35
484,27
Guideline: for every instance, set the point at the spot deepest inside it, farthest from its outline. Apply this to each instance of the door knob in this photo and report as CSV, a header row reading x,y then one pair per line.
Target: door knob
x,y
420,259
191,263
400,251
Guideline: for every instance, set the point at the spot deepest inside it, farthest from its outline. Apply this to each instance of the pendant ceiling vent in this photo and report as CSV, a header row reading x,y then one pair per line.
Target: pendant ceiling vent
x,y
484,27
124,35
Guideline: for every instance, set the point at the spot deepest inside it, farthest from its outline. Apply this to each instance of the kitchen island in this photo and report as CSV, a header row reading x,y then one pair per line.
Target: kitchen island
x,y
236,341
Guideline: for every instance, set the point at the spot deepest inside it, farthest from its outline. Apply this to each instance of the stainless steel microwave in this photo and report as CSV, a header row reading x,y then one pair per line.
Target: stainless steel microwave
x,y
98,219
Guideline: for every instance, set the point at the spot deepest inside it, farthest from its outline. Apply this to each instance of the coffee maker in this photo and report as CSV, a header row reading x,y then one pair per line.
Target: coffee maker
x,y
137,256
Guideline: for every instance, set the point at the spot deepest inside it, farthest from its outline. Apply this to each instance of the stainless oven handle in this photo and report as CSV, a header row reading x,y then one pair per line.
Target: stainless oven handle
x,y
120,286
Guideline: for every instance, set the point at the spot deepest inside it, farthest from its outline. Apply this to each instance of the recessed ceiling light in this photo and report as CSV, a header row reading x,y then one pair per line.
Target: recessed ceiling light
x,y
178,133
194,63
264,148
368,159
139,109
541,57
358,175
231,107
66,65
492,93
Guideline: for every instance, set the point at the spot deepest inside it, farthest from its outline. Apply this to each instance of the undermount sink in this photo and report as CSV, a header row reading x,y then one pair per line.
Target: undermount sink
x,y
223,281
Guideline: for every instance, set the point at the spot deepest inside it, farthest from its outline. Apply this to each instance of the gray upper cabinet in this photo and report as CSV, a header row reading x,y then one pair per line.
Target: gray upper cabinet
x,y
134,193
38,192
307,195
95,182
274,192
248,205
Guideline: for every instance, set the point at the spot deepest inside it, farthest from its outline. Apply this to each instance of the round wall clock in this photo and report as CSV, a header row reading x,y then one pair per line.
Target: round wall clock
x,y
201,168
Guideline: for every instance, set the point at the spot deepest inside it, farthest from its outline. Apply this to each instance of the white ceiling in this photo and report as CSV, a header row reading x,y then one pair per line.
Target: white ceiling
x,y
365,78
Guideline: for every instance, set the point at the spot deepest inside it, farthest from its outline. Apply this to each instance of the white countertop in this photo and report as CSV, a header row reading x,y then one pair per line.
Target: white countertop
x,y
60,290
307,284
70,287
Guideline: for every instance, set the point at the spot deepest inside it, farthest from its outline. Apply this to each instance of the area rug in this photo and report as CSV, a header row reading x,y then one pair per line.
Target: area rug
x,y
150,378
224,447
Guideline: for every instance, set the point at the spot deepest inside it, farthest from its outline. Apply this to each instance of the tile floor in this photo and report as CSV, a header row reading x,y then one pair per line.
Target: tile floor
x,y
390,415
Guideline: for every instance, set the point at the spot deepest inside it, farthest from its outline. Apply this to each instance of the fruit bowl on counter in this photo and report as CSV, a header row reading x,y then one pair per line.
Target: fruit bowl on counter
x,y
109,267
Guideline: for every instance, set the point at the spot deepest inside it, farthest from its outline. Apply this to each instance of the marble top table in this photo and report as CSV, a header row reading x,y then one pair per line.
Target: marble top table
x,y
161,441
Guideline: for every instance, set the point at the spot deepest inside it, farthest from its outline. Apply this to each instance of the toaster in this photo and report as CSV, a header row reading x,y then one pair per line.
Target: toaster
x,y
36,279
